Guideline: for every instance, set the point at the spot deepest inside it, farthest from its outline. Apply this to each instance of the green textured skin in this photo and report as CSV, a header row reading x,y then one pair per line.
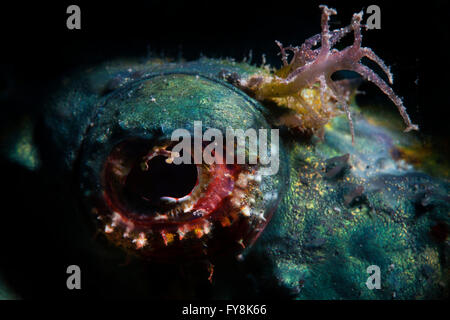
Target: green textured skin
x,y
75,103
317,245
321,246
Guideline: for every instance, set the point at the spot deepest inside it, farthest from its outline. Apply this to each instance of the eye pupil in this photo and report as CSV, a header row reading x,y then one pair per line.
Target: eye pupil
x,y
161,179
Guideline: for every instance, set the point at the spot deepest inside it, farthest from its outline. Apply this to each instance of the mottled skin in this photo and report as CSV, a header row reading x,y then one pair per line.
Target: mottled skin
x,y
323,241
323,235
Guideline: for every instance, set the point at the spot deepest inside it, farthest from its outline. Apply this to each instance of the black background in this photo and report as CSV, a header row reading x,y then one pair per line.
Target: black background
x,y
37,50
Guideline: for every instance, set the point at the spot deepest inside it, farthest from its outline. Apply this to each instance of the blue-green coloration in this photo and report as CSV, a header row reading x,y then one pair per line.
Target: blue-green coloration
x,y
337,216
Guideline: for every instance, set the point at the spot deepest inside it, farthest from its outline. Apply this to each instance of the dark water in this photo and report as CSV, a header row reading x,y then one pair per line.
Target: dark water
x,y
37,50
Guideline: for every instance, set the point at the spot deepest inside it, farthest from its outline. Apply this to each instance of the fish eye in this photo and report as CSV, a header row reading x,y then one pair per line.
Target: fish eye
x,y
156,181
144,202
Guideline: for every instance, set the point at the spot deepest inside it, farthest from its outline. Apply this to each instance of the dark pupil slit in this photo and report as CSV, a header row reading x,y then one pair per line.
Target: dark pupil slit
x,y
161,180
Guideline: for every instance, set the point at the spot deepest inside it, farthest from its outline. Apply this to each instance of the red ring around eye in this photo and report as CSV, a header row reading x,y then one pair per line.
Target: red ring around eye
x,y
217,215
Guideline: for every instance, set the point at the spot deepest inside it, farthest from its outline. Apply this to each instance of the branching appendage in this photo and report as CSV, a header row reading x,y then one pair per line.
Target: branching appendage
x,y
304,83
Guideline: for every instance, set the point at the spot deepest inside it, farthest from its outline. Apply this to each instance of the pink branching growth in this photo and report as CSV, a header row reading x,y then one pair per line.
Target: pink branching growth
x,y
312,69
